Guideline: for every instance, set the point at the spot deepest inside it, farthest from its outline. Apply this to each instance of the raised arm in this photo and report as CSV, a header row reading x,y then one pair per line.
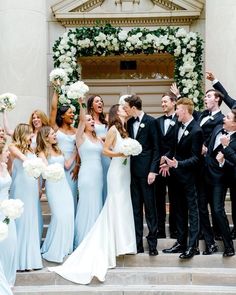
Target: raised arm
x,y
81,126
53,113
8,130
109,144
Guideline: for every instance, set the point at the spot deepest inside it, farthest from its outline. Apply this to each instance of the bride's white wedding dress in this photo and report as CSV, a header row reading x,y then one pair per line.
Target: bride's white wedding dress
x,y
113,233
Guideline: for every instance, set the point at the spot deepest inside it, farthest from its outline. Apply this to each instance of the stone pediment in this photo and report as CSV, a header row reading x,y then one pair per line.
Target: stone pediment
x,y
127,13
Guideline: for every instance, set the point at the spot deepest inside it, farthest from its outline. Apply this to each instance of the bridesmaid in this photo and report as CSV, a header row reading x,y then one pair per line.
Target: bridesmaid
x,y
95,106
59,239
36,121
61,120
90,182
26,189
8,248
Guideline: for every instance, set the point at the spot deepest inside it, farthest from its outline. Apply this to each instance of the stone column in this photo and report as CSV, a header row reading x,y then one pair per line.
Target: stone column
x,y
221,43
23,56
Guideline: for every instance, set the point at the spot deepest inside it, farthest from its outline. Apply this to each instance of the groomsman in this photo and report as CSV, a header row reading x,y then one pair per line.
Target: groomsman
x,y
182,160
166,128
143,172
220,167
229,101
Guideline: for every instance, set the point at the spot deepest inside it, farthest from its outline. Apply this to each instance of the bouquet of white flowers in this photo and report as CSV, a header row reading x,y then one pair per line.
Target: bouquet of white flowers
x,y
53,172
3,230
58,76
34,167
12,209
77,90
130,147
7,101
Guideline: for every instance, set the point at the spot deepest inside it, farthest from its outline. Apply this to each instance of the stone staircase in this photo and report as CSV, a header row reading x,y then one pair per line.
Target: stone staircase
x,y
164,274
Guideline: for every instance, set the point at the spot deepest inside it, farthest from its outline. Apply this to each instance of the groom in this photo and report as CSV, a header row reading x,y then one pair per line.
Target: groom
x,y
143,172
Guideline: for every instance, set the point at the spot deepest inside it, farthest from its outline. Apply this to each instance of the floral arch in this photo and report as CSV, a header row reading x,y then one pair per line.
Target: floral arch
x,y
186,47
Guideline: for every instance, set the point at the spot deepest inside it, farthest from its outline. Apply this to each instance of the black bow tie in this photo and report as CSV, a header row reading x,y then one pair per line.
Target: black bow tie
x,y
136,119
224,132
168,117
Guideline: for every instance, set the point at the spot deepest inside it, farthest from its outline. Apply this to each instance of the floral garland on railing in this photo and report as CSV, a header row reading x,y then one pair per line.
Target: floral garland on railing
x,y
186,47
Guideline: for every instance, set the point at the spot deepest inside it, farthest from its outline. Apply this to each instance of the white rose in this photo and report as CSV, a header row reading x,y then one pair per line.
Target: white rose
x,y
122,35
12,208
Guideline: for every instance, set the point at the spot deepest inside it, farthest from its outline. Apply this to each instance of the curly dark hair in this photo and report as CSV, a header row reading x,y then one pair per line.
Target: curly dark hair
x,y
60,112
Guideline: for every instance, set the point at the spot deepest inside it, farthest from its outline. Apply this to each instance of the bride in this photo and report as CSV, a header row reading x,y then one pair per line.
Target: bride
x,y
113,233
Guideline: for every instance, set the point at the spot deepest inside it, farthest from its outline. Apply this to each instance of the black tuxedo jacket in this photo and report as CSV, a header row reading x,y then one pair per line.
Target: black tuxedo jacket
x,y
187,152
147,161
229,101
209,125
214,173
166,141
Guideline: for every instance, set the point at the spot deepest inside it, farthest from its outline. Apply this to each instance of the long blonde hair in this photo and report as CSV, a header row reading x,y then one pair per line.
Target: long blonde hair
x,y
42,142
20,137
43,117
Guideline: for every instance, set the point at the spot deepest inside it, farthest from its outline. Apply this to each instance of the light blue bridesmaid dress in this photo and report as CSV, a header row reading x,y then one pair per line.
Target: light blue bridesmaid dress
x,y
4,286
90,184
59,239
101,131
8,247
66,143
26,189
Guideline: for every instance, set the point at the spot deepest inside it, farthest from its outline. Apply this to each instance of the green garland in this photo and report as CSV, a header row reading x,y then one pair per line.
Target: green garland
x,y
186,47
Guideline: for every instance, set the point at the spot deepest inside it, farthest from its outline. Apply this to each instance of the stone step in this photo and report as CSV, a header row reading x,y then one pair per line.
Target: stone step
x,y
125,290
141,276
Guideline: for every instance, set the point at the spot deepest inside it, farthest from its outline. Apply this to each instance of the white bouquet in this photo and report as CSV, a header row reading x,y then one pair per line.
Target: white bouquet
x,y
12,209
34,167
130,147
58,76
77,90
3,230
53,172
7,101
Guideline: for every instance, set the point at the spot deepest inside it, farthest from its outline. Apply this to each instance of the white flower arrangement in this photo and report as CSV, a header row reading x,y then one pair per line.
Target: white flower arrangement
x,y
142,125
77,90
7,101
172,123
130,147
3,230
53,172
58,76
12,208
34,167
186,132
186,47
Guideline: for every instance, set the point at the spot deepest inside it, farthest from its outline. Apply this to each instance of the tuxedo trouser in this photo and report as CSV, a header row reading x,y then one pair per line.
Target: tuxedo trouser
x,y
142,195
161,185
233,202
216,193
187,212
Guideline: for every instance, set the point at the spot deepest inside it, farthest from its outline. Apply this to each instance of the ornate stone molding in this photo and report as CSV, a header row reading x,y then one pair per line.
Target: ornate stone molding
x,y
72,13
87,6
167,4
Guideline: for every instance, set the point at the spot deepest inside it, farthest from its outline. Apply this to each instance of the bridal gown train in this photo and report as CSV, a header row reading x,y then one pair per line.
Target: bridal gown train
x,y
113,233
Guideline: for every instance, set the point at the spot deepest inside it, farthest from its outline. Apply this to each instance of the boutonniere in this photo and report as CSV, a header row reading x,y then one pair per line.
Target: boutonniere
x,y
172,123
186,132
211,118
142,125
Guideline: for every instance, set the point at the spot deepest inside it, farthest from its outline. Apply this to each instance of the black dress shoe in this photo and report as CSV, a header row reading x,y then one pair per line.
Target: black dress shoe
x,y
153,252
161,235
228,252
176,248
210,249
189,253
140,250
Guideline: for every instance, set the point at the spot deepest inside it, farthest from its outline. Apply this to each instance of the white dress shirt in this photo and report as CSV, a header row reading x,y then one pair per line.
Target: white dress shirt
x,y
137,123
182,129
